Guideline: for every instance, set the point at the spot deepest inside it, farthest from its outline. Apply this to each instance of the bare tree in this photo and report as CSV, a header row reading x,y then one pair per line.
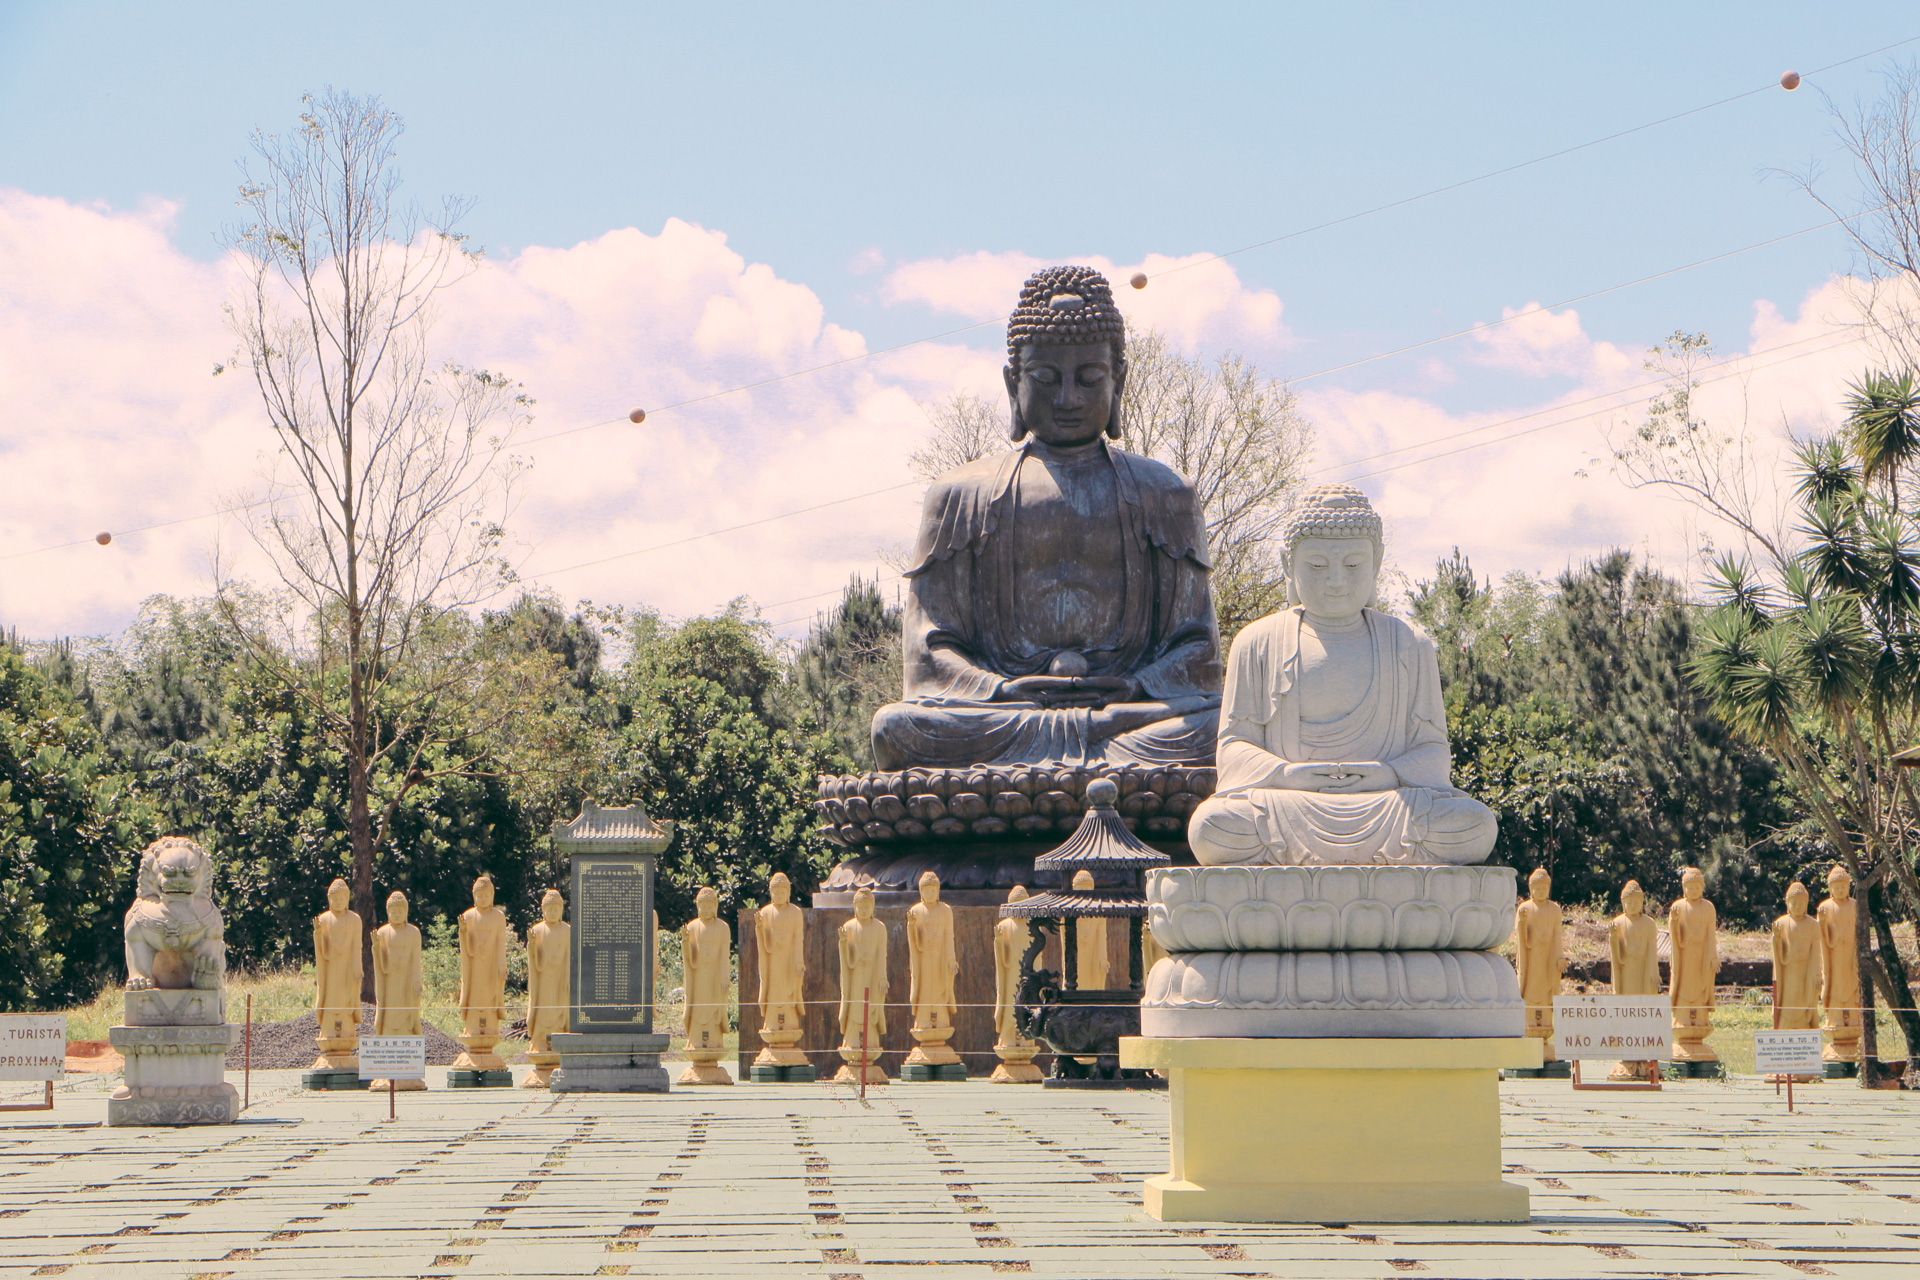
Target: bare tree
x,y
1240,439
1237,437
1712,466
1883,138
965,427
383,507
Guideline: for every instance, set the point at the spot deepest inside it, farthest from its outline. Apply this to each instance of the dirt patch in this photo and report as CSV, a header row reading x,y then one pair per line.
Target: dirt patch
x,y
294,1043
85,1056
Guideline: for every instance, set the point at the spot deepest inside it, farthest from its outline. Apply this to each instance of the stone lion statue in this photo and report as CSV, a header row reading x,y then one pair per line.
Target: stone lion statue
x,y
175,938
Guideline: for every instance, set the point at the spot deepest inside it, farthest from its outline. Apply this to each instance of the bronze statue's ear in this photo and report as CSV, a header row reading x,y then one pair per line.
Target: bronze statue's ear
x,y
1116,425
1011,376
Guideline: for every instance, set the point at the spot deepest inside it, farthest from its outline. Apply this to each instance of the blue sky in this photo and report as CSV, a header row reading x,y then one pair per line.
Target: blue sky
x,y
834,143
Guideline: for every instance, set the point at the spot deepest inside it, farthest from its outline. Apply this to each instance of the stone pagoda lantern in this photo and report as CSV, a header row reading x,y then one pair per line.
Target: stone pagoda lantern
x,y
1083,1027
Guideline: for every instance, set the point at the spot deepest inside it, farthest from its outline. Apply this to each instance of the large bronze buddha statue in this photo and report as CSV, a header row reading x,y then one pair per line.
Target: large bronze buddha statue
x,y
1057,609
1058,627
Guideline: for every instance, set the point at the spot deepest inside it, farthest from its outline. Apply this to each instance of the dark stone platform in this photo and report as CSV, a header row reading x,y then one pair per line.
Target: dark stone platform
x,y
973,873
770,1073
923,1073
1694,1070
479,1079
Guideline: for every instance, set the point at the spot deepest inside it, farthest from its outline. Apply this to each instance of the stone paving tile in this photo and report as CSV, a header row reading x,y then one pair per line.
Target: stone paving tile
x,y
1703,1180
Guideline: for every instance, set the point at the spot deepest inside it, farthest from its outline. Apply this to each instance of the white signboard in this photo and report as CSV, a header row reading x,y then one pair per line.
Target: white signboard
x,y
1787,1053
1612,1028
393,1057
33,1046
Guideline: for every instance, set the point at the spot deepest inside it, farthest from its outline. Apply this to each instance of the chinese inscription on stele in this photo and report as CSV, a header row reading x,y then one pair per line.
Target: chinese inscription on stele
x,y
612,974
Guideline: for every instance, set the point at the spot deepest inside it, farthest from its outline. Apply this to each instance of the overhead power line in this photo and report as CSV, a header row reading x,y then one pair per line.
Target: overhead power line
x,y
1528,164
1291,235
1618,404
1307,377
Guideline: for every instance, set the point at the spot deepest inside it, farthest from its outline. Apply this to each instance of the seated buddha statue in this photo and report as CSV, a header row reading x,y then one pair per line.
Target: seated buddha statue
x,y
1057,609
1333,742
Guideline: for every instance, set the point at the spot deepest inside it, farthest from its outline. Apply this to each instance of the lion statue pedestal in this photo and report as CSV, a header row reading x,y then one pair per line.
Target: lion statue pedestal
x,y
176,1035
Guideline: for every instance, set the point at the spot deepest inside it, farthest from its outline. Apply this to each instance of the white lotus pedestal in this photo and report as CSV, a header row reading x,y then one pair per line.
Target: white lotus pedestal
x,y
1336,1130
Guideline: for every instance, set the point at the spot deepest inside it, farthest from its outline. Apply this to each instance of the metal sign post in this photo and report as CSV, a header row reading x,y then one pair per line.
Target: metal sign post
x,y
1782,1055
392,1058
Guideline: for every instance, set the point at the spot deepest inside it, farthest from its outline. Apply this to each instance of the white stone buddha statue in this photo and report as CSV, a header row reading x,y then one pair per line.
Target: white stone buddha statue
x,y
1333,736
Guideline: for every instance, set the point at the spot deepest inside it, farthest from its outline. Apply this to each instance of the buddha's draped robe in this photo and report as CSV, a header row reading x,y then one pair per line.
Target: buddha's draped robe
x,y
1796,972
1031,553
1400,721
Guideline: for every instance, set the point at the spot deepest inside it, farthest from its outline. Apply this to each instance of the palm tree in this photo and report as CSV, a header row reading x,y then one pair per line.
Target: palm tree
x,y
1824,670
1883,426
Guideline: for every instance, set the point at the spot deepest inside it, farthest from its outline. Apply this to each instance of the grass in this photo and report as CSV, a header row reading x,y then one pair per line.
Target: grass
x,y
279,995
1735,1023
283,994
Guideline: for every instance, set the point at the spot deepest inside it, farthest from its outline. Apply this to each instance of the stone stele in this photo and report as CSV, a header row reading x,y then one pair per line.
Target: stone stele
x,y
176,1035
614,965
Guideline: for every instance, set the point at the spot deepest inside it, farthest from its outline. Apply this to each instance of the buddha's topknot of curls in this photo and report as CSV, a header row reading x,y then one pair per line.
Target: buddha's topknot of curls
x,y
1065,304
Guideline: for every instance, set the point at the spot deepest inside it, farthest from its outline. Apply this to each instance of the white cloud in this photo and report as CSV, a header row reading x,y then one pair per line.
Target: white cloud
x,y
1197,302
1534,488
108,336
108,340
1539,343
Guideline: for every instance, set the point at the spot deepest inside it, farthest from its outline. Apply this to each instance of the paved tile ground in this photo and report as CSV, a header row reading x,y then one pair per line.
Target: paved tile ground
x,y
976,1180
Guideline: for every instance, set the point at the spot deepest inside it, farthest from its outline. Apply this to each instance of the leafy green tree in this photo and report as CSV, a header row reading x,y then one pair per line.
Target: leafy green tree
x,y
1518,747
268,798
70,831
1701,796
1570,716
700,739
847,668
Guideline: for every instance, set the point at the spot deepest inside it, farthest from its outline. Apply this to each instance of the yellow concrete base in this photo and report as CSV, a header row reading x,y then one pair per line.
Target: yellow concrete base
x,y
1349,1131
